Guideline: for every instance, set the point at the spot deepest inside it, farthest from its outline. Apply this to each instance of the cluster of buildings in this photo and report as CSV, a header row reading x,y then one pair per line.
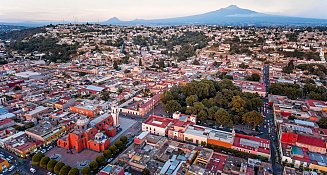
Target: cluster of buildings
x,y
162,155
183,128
302,143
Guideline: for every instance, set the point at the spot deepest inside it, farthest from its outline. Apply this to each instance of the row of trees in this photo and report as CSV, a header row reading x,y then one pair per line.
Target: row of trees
x,y
221,102
253,77
53,166
295,91
62,169
313,69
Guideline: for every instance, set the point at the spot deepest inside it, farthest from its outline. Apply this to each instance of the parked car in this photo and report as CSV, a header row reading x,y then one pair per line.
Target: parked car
x,y
32,170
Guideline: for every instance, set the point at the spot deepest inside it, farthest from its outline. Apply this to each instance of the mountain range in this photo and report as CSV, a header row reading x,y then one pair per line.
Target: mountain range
x,y
231,15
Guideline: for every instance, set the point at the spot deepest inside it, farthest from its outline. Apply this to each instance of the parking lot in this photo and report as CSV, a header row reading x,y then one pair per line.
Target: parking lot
x,y
12,161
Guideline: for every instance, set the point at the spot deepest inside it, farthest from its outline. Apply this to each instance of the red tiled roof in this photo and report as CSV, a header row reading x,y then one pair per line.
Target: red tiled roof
x,y
5,121
311,141
153,119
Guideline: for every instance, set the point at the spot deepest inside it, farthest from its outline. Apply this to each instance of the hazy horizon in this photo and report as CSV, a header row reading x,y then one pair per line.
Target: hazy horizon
x,y
101,10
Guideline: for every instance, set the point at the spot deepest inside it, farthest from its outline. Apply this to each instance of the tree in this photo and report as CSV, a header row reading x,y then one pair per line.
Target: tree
x,y
145,171
244,66
172,106
64,170
107,154
119,144
17,88
51,164
58,167
44,161
237,104
101,160
253,77
123,139
37,158
166,96
196,62
190,100
105,95
203,115
223,117
289,68
323,122
94,165
212,111
252,118
86,171
73,171
198,107
113,149
115,65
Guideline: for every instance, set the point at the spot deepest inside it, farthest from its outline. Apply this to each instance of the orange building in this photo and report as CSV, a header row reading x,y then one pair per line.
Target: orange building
x,y
221,138
90,135
3,163
89,111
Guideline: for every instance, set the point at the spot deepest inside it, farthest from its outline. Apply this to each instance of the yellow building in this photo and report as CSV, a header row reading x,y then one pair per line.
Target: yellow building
x,y
3,163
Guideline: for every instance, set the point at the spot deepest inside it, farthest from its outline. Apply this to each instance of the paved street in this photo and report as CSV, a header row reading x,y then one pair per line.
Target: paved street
x,y
268,129
24,166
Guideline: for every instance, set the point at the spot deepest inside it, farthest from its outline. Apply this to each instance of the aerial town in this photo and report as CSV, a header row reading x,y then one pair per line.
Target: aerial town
x,y
181,100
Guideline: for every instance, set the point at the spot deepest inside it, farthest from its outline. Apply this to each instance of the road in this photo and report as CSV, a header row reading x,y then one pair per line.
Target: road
x,y
269,130
24,166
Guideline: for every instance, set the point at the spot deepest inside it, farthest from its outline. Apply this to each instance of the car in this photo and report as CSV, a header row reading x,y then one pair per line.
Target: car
x,y
10,157
49,173
1,155
11,168
32,170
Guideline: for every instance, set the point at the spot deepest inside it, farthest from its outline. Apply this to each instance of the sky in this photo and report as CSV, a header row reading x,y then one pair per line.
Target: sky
x,y
101,10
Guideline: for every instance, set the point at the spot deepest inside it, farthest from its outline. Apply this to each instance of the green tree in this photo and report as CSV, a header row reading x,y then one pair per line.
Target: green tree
x,y
172,106
64,170
94,165
223,117
237,104
86,171
105,95
166,96
243,66
37,158
115,65
73,171
212,111
253,77
107,154
113,149
44,161
145,171
58,167
101,160
51,164
123,139
119,144
190,100
252,118
203,115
